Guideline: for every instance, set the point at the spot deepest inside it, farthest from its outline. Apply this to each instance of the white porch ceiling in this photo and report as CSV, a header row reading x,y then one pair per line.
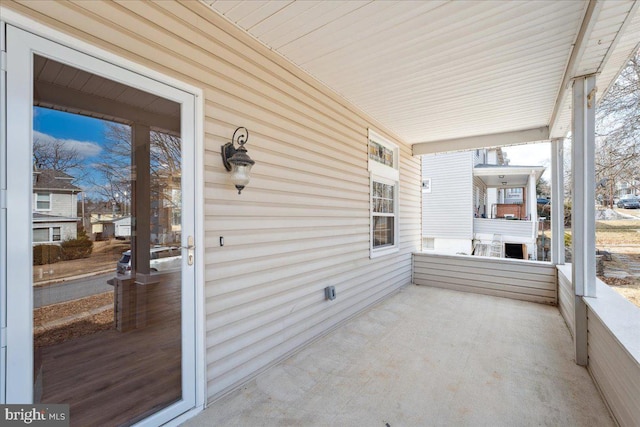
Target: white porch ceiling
x,y
434,71
511,176
63,87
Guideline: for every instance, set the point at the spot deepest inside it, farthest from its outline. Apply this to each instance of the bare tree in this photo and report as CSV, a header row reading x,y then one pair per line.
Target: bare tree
x,y
618,133
542,187
56,155
115,172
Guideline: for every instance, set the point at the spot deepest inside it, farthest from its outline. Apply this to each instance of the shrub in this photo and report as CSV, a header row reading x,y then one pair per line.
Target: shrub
x,y
77,248
567,239
567,214
46,254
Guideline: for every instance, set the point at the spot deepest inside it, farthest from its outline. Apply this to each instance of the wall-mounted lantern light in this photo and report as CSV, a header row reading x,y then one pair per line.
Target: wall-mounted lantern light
x,y
236,160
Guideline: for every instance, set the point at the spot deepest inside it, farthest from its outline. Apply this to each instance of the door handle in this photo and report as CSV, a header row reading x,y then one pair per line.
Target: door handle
x,y
190,250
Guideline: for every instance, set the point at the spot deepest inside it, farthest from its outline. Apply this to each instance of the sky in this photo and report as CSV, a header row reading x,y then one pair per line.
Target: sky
x,y
538,154
84,134
61,125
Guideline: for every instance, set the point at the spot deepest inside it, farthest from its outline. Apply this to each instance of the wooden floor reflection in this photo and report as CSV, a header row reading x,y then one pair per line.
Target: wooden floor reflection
x,y
115,378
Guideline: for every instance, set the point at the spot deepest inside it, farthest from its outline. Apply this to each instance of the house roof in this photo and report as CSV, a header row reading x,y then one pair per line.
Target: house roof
x,y
124,219
49,179
38,217
506,175
450,75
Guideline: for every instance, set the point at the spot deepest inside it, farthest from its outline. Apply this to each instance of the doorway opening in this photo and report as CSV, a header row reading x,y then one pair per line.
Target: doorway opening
x,y
106,323
515,250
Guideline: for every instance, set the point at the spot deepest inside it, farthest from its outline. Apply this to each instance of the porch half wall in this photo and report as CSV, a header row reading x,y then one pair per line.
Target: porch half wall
x,y
303,221
613,344
502,277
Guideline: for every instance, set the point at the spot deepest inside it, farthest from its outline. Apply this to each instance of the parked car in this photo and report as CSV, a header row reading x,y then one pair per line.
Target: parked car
x,y
162,258
629,203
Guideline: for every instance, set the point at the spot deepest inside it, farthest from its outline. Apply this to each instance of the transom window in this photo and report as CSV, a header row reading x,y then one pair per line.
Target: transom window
x,y
384,179
380,153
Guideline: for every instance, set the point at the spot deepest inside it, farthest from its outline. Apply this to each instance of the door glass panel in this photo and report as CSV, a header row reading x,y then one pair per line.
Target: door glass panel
x,y
107,257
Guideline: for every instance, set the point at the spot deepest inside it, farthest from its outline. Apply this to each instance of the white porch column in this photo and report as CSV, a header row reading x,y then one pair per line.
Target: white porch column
x,y
141,199
583,206
533,197
532,204
557,201
492,199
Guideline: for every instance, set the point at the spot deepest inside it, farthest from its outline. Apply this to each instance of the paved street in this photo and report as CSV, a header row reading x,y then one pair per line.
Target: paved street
x,y
72,289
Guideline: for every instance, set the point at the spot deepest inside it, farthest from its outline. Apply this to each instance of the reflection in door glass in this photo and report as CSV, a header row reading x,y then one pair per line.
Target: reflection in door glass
x,y
107,212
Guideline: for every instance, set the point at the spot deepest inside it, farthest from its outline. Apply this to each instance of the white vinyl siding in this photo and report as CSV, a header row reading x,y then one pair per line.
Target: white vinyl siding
x,y
509,278
447,211
614,360
303,222
522,231
616,372
566,296
64,204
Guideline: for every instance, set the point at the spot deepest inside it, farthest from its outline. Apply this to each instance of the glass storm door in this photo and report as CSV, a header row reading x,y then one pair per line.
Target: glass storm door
x,y
100,276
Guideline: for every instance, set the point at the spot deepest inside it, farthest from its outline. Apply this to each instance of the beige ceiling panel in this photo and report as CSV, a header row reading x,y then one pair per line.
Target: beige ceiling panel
x,y
437,70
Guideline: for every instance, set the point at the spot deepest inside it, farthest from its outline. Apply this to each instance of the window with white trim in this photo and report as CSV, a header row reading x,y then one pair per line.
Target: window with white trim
x,y
43,201
40,235
384,180
48,234
55,234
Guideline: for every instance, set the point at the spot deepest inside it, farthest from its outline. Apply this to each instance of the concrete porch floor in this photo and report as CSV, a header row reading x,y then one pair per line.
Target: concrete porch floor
x,y
426,357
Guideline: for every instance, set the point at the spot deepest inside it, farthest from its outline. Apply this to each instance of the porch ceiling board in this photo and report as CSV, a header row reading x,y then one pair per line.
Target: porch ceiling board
x,y
66,88
615,35
514,176
432,71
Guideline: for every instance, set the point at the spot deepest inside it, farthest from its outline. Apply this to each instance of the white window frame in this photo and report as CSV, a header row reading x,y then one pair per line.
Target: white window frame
x,y
37,242
389,175
50,233
35,200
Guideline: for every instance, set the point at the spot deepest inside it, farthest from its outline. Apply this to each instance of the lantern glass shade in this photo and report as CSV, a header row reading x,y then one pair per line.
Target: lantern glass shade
x,y
240,174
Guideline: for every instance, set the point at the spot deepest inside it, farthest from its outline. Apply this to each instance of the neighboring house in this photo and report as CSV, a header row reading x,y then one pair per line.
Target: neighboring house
x,y
55,207
473,200
627,188
166,207
105,226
